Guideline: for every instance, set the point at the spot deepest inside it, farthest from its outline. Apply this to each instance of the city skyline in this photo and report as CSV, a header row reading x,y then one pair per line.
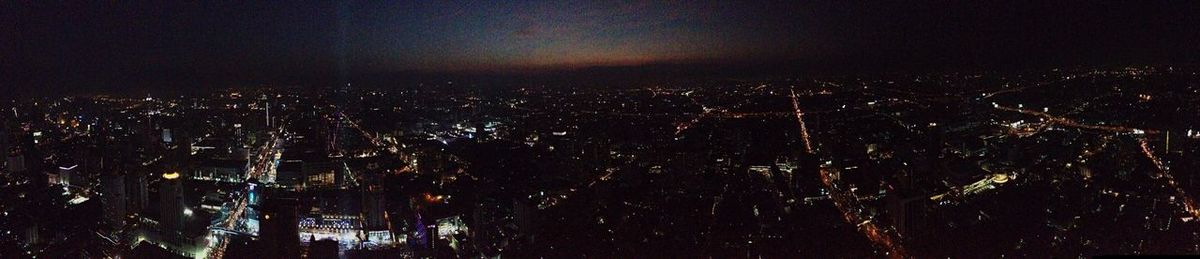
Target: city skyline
x,y
599,129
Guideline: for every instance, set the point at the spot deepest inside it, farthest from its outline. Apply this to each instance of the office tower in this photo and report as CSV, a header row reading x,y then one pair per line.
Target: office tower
x,y
373,203
135,190
15,161
910,215
112,196
171,206
4,144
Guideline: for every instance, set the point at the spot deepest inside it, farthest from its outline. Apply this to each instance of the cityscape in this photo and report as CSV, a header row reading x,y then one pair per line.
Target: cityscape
x,y
616,160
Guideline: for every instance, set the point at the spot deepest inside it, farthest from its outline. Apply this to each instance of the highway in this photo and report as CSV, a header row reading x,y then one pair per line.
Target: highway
x,y
373,138
846,201
1189,204
1067,122
800,118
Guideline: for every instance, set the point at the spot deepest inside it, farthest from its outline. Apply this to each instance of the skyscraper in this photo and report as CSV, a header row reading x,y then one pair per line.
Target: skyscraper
x,y
373,203
15,161
910,215
135,190
113,198
34,162
4,145
170,193
268,114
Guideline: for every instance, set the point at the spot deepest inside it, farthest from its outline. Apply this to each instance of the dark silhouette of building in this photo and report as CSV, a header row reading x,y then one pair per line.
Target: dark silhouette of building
x,y
4,140
171,203
112,196
15,161
323,249
34,162
498,224
279,229
910,214
135,190
374,204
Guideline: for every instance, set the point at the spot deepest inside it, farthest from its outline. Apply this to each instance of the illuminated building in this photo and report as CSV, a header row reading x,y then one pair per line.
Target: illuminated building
x,y
224,170
167,136
323,172
171,206
69,175
449,226
423,238
53,178
345,229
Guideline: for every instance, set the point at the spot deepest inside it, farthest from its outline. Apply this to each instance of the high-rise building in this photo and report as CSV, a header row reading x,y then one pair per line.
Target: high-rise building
x,y
374,204
113,198
34,162
135,190
171,206
53,178
15,161
30,230
4,144
524,217
70,174
268,114
167,137
910,215
278,227
491,233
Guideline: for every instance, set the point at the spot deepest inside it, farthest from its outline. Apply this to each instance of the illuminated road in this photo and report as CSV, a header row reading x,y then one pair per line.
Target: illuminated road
x,y
374,138
264,164
1067,122
848,204
706,112
1189,204
800,118
960,192
845,201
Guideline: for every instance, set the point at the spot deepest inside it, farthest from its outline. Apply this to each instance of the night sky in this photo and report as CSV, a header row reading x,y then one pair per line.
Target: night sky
x,y
107,45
